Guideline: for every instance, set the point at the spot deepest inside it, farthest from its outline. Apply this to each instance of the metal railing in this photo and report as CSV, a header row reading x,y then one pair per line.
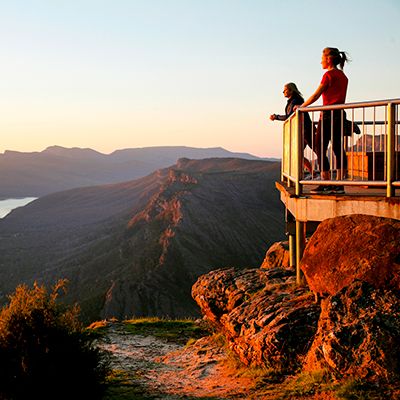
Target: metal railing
x,y
358,146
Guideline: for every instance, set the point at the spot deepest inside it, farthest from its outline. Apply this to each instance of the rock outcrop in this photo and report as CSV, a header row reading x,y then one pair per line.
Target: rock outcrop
x,y
266,319
354,333
358,334
277,256
353,247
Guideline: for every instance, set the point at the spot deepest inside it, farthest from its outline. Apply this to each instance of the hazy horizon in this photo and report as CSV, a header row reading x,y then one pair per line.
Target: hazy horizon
x,y
129,148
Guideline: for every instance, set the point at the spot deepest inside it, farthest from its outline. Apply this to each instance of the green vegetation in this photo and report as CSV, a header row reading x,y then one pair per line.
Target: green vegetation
x,y
178,330
306,383
355,389
44,350
122,386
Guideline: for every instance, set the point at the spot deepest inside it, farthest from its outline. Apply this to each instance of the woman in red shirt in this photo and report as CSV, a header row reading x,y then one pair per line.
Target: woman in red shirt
x,y
333,88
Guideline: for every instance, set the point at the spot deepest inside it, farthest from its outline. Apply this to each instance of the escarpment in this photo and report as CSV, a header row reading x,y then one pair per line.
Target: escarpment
x,y
354,332
136,248
205,214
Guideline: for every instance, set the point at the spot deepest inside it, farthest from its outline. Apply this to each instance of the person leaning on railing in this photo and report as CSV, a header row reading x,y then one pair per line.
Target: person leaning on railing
x,y
333,88
295,98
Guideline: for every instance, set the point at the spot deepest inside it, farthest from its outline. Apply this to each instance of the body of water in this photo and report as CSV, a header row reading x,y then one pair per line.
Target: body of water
x,y
7,205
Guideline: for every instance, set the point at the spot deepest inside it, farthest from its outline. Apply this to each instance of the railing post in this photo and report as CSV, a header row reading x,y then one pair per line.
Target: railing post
x,y
297,150
390,163
290,153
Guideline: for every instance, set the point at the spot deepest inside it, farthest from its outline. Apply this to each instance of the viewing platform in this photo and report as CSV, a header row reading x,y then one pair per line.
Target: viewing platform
x,y
369,142
355,200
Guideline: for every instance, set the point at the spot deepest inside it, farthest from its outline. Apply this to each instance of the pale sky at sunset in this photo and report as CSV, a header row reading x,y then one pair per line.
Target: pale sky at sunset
x,y
202,73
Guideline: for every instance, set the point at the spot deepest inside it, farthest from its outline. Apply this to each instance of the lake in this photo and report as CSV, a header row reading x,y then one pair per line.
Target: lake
x,y
7,205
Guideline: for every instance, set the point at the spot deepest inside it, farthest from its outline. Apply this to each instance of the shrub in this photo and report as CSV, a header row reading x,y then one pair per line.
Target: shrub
x,y
44,350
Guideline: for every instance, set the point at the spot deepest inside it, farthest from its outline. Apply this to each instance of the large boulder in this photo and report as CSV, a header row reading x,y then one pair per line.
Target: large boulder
x,y
266,319
353,247
277,256
358,334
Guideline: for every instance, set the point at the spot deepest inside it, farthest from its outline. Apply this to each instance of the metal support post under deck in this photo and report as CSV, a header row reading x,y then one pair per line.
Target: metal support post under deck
x,y
300,244
292,250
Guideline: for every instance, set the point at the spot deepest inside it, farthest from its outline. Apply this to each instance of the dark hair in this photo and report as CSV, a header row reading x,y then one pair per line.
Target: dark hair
x,y
292,86
338,57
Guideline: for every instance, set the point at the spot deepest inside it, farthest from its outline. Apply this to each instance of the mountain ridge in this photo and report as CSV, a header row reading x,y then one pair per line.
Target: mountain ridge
x,y
135,248
35,174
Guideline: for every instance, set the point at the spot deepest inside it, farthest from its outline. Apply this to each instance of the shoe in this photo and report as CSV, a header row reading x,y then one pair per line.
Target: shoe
x,y
311,177
322,190
338,189
316,176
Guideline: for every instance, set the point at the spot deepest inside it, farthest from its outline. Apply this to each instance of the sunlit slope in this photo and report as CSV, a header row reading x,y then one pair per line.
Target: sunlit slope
x,y
136,248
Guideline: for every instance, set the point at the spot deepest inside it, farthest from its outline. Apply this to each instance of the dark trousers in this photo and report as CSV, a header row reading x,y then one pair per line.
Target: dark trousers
x,y
329,120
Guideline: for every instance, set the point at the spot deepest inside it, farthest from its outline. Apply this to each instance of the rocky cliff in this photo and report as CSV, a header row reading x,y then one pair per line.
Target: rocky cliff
x,y
136,248
353,263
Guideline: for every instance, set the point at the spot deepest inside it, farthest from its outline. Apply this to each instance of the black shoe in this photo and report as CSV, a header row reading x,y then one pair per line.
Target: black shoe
x,y
322,190
338,189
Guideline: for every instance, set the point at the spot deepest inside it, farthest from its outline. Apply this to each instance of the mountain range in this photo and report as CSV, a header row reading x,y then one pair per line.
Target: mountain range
x,y
57,168
135,248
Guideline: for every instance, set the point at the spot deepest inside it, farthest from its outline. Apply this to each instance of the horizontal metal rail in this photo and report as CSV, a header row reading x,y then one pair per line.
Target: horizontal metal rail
x,y
346,106
347,183
371,146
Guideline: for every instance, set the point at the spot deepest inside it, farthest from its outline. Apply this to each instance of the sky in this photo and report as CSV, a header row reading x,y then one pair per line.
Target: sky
x,y
203,73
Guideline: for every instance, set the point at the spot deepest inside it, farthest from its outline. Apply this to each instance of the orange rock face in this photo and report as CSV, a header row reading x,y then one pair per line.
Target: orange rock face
x,y
358,334
355,333
277,256
353,247
266,319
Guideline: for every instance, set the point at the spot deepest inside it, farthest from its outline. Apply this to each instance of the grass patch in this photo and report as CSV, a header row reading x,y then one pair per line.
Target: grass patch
x,y
179,331
260,375
305,384
98,328
121,386
354,389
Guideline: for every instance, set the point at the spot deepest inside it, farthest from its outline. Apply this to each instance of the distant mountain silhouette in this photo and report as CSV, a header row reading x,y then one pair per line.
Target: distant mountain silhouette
x,y
136,248
57,168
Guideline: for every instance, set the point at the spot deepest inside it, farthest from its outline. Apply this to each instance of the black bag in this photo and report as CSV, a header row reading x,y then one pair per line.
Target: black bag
x,y
348,125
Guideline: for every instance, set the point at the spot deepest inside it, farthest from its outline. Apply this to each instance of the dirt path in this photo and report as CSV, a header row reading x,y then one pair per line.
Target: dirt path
x,y
159,369
171,371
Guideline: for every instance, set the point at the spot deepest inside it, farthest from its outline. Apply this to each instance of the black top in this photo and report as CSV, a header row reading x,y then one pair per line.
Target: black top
x,y
295,100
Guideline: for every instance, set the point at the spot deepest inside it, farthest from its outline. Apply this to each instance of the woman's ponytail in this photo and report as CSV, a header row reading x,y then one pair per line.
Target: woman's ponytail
x,y
343,59
338,57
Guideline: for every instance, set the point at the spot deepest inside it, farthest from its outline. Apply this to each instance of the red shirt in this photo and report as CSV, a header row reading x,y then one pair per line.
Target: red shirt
x,y
336,87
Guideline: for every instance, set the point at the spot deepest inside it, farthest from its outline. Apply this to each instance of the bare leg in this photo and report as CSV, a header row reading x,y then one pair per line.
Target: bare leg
x,y
307,165
326,175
